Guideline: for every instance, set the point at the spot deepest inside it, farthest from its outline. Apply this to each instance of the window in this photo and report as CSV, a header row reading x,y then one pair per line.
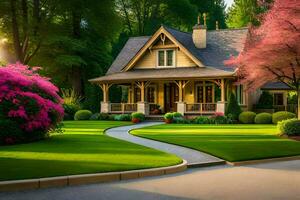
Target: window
x,y
278,99
166,58
240,94
151,94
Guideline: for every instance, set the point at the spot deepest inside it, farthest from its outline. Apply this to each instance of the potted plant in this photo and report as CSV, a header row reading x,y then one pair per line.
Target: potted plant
x,y
168,117
137,117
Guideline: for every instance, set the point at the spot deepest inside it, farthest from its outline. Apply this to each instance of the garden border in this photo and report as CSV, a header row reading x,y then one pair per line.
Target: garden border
x,y
17,185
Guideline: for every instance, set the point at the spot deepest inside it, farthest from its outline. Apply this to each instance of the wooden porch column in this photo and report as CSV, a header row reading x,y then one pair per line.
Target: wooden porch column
x,y
105,89
181,85
222,90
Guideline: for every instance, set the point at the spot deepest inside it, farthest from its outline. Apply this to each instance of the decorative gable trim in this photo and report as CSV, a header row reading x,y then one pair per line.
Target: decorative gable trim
x,y
149,44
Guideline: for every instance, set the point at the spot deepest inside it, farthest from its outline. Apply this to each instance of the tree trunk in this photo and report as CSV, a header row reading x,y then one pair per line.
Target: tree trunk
x,y
298,93
15,30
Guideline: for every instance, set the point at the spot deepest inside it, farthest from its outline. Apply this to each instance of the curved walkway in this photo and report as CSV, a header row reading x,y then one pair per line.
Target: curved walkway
x,y
193,157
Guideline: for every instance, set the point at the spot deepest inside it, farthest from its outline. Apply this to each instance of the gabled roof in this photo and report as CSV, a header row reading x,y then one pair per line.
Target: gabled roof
x,y
275,86
221,45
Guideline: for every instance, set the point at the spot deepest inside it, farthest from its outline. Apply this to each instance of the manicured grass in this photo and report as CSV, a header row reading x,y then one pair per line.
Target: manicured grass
x,y
81,149
230,142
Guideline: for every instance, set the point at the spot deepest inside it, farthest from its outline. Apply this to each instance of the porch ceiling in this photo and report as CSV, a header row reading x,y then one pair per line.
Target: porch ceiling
x,y
164,74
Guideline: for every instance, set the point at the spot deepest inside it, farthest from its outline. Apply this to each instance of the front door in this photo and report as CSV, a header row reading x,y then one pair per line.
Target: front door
x,y
171,97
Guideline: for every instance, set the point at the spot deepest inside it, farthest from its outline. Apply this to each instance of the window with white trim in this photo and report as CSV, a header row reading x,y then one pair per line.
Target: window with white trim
x,y
166,58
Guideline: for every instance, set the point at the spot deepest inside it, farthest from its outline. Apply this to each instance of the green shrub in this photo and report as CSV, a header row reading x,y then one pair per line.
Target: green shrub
x,y
201,120
122,117
168,116
103,116
265,101
111,117
282,115
70,110
138,115
95,116
289,127
177,115
247,117
83,115
233,108
10,133
180,120
263,118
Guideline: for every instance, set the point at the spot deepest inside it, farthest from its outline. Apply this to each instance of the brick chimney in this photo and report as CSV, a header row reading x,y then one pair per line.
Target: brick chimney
x,y
199,34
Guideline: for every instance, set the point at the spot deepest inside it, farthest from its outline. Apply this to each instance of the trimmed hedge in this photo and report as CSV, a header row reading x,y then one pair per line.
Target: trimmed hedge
x,y
83,115
247,117
263,118
282,115
137,117
289,127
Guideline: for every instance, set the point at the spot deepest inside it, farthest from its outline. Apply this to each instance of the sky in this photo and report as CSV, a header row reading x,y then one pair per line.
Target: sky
x,y
229,2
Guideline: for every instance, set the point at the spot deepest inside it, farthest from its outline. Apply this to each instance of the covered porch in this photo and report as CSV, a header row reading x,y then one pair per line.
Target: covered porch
x,y
187,91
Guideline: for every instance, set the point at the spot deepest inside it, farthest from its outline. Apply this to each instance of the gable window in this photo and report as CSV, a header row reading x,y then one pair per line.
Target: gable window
x,y
166,58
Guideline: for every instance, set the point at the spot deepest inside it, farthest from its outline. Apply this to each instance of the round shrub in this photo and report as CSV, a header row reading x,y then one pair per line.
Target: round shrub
x,y
83,115
263,118
177,115
247,117
168,116
30,100
137,117
70,110
289,127
201,120
282,115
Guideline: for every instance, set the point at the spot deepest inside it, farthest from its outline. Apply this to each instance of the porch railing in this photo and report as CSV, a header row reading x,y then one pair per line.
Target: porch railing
x,y
123,107
200,108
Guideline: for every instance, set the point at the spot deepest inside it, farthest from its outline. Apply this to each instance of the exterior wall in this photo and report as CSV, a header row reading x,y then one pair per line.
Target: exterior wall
x,y
189,92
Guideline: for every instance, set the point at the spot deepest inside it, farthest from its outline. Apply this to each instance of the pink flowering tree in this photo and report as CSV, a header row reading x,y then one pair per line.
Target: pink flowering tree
x,y
272,51
29,100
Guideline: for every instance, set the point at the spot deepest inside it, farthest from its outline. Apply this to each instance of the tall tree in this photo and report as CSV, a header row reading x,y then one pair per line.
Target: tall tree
x,y
245,12
24,23
272,51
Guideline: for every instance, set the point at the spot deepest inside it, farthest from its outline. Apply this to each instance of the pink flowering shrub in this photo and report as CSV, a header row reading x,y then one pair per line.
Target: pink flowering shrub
x,y
30,100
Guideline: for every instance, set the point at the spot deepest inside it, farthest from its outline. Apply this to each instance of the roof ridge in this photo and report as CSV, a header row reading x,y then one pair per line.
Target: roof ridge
x,y
141,36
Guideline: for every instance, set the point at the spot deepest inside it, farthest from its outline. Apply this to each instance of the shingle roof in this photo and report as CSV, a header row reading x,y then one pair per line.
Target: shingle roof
x,y
132,46
275,86
170,73
220,45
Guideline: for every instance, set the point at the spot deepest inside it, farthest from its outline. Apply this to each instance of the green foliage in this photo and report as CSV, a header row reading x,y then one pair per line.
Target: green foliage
x,y
123,117
83,115
177,114
233,109
138,115
103,116
168,116
282,115
247,117
265,101
70,110
289,127
10,133
70,97
95,116
201,120
263,118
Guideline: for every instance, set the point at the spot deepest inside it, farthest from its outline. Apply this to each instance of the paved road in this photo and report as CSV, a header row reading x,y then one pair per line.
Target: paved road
x,y
190,155
273,181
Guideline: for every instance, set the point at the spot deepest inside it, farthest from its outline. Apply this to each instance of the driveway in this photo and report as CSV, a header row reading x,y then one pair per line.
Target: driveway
x,y
278,180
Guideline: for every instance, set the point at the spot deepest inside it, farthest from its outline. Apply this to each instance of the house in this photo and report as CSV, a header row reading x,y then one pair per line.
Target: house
x,y
177,71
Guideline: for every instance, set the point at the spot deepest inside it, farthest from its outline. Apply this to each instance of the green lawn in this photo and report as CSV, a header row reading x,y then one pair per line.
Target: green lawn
x,y
230,142
81,149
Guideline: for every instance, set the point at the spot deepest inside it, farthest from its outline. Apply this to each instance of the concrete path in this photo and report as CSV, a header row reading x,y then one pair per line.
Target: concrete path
x,y
272,181
193,157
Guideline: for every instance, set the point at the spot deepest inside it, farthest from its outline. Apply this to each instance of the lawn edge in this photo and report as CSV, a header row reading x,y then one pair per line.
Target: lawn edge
x,y
59,181
265,160
232,163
